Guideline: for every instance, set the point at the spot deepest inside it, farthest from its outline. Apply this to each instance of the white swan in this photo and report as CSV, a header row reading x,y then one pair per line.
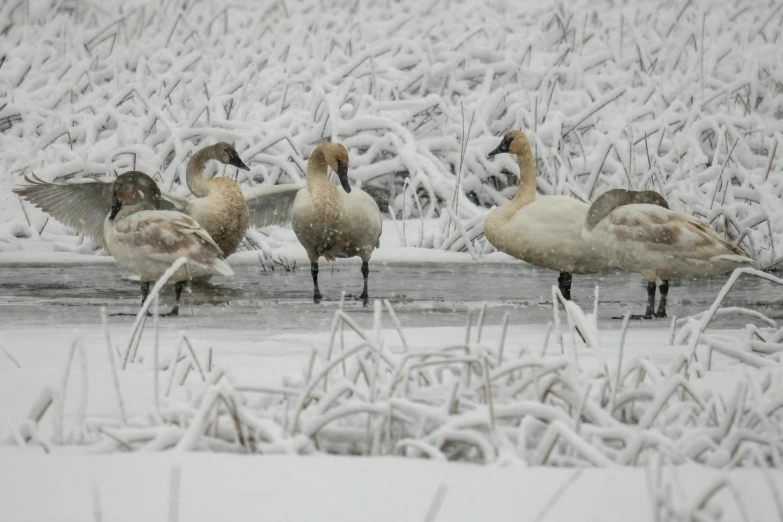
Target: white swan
x,y
545,232
146,241
219,204
331,222
642,235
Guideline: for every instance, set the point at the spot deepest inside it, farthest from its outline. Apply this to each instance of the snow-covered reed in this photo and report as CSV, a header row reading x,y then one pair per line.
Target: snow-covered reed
x,y
469,402
682,97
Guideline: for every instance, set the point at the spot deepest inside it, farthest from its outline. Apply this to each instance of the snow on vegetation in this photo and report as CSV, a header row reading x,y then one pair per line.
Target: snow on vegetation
x,y
681,97
467,402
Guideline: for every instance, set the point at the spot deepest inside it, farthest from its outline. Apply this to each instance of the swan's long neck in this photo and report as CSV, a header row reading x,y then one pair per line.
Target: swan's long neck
x,y
317,170
526,192
195,172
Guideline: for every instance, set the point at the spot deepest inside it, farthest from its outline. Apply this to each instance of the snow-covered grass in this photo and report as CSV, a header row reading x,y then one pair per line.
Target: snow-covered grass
x,y
680,424
468,401
681,97
654,425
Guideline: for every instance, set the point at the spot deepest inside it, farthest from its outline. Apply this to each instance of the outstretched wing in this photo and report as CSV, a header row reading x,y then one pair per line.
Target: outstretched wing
x,y
271,205
80,204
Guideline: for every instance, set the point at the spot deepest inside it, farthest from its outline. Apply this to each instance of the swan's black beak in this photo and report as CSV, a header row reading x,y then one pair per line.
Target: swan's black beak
x,y
115,207
500,149
342,173
235,160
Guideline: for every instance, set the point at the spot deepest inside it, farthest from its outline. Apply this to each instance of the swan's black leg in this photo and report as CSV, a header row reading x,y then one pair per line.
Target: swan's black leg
x,y
564,283
145,291
664,288
177,293
366,275
650,312
314,273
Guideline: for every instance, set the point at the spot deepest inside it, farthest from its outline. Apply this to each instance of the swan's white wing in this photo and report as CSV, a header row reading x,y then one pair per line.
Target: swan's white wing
x,y
80,204
660,230
271,205
371,212
364,214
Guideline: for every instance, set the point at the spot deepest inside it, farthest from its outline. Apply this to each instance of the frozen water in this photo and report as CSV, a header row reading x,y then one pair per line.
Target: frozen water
x,y
421,293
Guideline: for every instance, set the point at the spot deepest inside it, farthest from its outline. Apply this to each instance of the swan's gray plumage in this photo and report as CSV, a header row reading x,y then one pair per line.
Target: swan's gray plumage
x,y
80,204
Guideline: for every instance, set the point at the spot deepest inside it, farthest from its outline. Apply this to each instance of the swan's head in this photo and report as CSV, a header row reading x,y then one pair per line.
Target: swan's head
x,y
134,188
336,156
226,154
514,142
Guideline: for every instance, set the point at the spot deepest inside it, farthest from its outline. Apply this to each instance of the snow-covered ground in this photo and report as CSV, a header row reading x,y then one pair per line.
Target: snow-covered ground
x,y
67,480
333,489
679,96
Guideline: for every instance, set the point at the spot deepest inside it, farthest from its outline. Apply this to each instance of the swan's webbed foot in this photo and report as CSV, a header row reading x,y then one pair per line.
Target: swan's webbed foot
x,y
316,290
177,292
564,284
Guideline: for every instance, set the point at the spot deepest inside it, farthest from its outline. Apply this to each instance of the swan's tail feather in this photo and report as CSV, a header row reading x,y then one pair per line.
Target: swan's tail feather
x,y
735,261
221,267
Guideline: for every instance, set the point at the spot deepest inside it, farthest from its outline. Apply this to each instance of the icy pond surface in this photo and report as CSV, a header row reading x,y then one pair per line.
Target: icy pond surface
x,y
426,294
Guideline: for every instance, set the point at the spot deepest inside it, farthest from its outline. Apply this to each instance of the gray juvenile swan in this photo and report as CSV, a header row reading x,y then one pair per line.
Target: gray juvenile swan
x,y
146,241
641,235
545,232
331,222
219,204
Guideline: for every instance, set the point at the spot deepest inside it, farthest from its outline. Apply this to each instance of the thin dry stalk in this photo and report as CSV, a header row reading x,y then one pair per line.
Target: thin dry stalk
x,y
97,511
195,359
558,494
60,417
719,181
771,159
156,355
503,338
623,331
437,502
491,404
174,492
397,325
10,354
113,364
482,313
141,316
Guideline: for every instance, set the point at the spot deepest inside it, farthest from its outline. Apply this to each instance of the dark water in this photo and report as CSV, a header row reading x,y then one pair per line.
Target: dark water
x,y
421,294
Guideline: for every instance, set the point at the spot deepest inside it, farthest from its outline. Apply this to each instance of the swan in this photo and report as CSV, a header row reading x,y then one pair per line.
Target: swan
x,y
642,235
146,241
545,232
333,223
218,205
